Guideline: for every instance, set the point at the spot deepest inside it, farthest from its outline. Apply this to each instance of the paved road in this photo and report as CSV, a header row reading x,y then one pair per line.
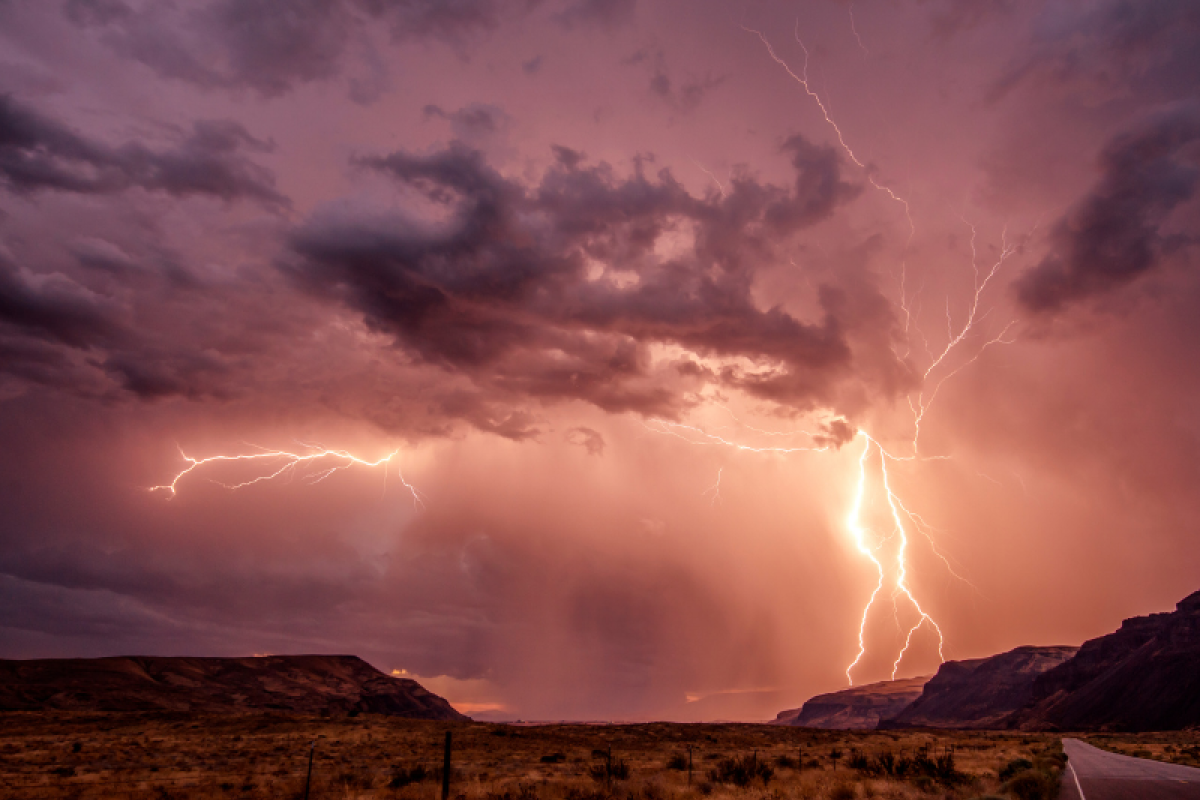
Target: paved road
x,y
1094,774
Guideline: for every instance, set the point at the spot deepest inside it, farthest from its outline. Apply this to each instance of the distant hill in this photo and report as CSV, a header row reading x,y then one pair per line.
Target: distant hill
x,y
302,684
981,692
857,708
1143,676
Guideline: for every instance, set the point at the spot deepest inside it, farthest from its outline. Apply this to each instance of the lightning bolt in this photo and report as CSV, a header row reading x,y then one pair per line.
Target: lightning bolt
x,y
802,79
859,535
715,489
693,434
279,463
902,586
955,339
708,172
854,30
858,532
938,371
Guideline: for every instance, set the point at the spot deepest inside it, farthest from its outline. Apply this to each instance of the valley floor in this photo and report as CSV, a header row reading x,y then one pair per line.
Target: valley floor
x,y
60,755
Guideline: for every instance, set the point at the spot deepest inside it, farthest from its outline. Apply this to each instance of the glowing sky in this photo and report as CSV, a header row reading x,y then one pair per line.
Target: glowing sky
x,y
604,290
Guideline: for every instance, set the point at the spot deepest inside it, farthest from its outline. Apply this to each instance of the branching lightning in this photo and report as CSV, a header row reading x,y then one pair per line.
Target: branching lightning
x,y
870,543
285,464
891,565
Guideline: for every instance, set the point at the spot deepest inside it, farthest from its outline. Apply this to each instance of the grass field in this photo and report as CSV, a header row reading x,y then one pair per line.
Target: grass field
x,y
55,755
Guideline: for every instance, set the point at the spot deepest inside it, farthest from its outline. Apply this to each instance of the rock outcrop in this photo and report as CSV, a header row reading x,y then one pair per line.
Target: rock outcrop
x,y
301,684
981,692
1143,676
857,708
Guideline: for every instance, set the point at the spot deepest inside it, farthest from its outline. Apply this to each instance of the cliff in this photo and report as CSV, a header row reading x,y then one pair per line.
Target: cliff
x,y
857,708
981,692
1143,676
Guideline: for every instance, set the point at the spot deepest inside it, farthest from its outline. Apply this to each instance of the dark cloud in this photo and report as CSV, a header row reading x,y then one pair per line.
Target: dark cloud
x,y
1119,49
1114,234
683,96
451,21
533,66
476,122
269,48
590,440
686,96
515,291
606,13
54,307
39,153
96,12
958,17
835,433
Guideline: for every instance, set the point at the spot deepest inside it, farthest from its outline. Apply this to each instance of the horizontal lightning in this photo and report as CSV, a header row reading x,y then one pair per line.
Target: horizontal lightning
x,y
286,463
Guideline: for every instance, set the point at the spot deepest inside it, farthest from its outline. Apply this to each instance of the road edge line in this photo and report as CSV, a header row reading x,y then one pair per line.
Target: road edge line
x,y
1075,775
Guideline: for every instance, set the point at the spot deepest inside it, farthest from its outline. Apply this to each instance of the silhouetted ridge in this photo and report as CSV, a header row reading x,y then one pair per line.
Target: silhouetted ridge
x,y
1143,676
304,684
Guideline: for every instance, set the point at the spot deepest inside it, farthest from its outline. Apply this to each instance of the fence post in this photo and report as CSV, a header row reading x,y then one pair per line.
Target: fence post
x,y
689,765
446,770
308,780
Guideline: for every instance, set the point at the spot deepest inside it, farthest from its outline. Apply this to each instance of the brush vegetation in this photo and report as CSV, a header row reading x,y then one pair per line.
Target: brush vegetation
x,y
266,755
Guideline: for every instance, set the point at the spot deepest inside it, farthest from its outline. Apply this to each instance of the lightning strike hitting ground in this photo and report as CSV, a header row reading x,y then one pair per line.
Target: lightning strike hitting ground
x,y
853,524
867,542
285,463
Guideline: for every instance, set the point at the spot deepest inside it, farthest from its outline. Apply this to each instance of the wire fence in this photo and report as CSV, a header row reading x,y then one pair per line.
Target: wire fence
x,y
312,775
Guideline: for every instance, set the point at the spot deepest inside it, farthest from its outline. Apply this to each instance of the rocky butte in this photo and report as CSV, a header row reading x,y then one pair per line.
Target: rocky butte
x,y
857,708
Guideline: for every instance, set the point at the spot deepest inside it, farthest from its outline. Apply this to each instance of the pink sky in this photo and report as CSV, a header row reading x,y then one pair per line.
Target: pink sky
x,y
617,295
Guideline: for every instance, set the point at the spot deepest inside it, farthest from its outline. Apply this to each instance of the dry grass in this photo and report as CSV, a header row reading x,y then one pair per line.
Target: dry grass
x,y
1175,747
266,755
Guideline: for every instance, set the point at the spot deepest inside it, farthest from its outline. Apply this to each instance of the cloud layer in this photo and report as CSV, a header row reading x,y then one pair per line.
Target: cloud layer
x,y
610,295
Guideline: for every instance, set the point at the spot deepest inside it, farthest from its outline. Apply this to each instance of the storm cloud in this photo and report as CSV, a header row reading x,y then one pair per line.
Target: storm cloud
x,y
513,290
1115,233
40,153
617,325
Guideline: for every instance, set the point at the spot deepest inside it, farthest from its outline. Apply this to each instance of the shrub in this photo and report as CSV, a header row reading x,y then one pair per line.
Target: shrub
x,y
741,771
859,761
612,769
1031,785
842,791
402,776
1015,766
678,761
553,758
